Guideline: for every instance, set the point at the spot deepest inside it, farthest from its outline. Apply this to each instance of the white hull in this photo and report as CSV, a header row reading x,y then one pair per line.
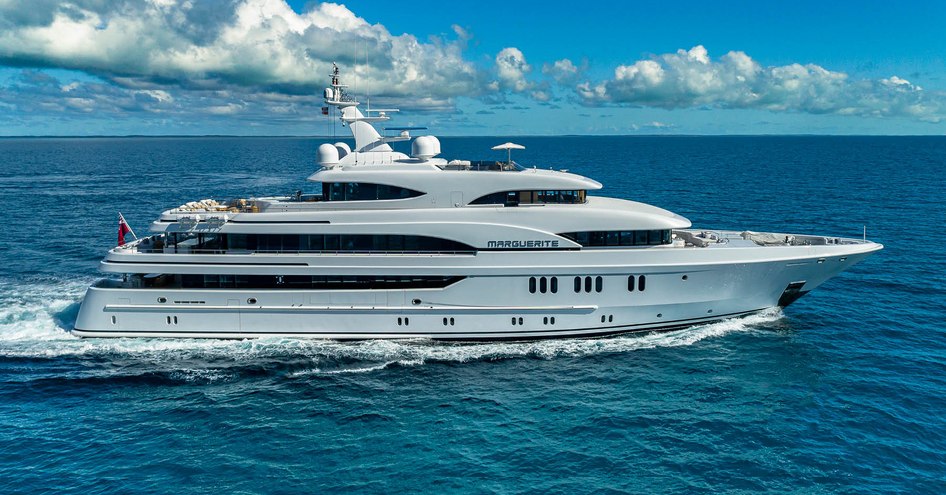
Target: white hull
x,y
688,286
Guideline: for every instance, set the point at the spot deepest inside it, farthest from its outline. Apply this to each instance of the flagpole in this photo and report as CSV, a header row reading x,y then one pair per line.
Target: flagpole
x,y
122,217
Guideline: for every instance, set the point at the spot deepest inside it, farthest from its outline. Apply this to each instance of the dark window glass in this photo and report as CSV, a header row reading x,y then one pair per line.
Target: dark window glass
x,y
587,284
640,237
641,283
598,238
532,285
599,284
543,285
363,191
630,283
315,282
627,238
514,198
613,238
553,285
577,284
665,237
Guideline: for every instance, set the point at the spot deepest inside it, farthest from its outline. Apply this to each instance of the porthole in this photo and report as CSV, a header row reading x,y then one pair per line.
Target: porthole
x,y
602,318
660,315
175,320
162,300
114,320
445,322
577,284
451,322
641,283
553,285
610,318
169,320
552,320
631,283
513,320
545,321
399,322
415,302
709,310
685,277
532,285
587,284
520,320
599,284
407,321
543,285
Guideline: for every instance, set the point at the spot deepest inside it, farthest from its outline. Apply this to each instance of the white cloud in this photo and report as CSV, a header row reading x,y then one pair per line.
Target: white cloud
x,y
690,78
562,71
243,43
512,69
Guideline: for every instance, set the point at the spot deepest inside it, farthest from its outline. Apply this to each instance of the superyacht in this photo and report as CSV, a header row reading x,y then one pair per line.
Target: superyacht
x,y
399,246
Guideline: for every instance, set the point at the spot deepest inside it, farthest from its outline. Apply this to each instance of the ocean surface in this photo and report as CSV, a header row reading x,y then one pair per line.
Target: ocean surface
x,y
843,392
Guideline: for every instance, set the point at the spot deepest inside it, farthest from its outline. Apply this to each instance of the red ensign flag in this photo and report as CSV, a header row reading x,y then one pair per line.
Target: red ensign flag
x,y
122,229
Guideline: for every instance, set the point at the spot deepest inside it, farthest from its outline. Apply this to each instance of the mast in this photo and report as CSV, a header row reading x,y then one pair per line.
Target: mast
x,y
366,137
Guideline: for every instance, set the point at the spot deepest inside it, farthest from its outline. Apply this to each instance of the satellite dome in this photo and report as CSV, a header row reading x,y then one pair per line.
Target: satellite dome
x,y
328,155
425,147
343,149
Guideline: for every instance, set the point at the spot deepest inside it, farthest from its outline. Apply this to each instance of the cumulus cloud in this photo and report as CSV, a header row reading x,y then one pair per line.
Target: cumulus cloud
x,y
690,78
511,70
231,43
562,71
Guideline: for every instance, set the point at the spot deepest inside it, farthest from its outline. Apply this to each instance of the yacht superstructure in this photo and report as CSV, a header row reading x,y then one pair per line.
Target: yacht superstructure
x,y
399,246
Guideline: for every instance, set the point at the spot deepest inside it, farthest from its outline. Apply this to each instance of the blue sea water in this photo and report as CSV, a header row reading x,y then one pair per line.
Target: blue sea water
x,y
843,392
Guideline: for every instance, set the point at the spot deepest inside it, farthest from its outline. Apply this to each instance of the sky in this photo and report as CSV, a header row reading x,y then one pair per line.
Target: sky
x,y
485,67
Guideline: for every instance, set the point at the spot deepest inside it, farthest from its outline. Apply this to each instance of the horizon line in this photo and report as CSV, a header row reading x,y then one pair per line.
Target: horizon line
x,y
319,136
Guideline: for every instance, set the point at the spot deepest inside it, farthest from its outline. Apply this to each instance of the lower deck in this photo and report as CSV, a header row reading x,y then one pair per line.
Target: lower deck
x,y
563,301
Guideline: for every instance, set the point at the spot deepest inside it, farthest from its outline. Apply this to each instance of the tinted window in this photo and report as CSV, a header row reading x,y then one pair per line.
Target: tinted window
x,y
363,191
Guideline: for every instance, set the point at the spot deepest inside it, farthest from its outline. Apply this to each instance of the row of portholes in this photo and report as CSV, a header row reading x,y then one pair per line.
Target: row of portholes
x,y
598,284
548,320
641,282
446,320
170,319
543,285
607,318
517,321
403,321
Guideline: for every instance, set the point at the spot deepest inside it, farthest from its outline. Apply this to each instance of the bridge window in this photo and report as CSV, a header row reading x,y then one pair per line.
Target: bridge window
x,y
515,198
599,238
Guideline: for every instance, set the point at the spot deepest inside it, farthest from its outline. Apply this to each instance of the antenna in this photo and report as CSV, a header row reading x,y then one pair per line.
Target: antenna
x,y
865,233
